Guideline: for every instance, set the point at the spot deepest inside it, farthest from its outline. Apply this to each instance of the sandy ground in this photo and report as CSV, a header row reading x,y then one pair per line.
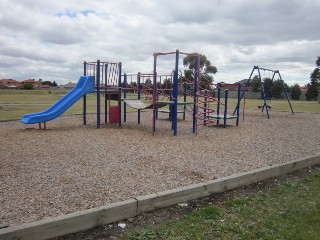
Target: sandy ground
x,y
71,167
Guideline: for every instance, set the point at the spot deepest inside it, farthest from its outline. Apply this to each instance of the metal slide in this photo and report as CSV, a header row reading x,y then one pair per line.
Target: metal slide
x,y
85,85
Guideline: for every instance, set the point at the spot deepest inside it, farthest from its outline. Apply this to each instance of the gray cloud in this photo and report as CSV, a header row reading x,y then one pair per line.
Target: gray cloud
x,y
51,39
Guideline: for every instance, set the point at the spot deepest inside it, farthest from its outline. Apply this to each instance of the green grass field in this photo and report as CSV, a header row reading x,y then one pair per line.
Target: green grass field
x,y
289,211
15,103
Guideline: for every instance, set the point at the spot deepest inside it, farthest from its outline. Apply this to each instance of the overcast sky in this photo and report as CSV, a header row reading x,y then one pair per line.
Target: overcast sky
x,y
51,39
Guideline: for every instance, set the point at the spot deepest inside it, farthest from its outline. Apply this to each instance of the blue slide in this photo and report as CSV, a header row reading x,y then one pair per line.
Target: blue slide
x,y
85,85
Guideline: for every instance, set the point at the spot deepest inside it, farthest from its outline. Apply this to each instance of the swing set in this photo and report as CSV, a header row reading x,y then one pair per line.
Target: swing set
x,y
266,90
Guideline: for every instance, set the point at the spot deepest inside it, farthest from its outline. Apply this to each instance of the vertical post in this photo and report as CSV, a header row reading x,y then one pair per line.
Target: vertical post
x,y
124,96
219,100
205,107
175,95
98,93
139,93
238,104
84,114
154,91
184,99
119,91
171,100
225,108
106,93
195,91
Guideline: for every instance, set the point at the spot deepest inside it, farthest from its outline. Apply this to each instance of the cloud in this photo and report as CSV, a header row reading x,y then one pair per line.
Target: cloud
x,y
51,39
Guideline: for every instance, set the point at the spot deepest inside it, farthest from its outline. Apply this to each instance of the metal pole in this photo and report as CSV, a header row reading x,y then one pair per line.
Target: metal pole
x,y
84,114
154,92
124,96
119,92
139,93
105,93
225,108
195,90
238,105
175,95
184,99
219,100
98,93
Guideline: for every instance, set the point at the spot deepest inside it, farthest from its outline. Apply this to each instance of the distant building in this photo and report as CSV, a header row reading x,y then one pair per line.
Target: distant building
x,y
36,84
70,85
304,89
10,83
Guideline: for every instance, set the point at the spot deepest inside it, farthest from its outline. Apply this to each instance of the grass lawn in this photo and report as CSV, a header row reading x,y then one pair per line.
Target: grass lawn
x,y
15,103
289,211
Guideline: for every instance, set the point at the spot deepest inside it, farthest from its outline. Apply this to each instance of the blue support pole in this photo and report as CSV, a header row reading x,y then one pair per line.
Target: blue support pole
x,y
124,96
84,115
225,108
219,100
154,92
195,90
139,93
238,104
119,93
98,93
105,91
175,95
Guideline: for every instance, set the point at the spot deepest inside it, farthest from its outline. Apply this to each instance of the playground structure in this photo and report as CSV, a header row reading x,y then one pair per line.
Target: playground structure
x,y
108,81
205,100
266,92
163,90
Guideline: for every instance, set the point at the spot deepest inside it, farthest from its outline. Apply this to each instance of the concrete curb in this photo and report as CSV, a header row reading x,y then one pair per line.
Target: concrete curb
x,y
87,219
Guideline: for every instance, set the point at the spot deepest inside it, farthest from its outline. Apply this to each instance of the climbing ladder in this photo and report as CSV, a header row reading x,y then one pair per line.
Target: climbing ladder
x,y
204,108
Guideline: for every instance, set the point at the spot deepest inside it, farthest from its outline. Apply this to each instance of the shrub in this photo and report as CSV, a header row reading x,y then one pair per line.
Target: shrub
x,y
28,86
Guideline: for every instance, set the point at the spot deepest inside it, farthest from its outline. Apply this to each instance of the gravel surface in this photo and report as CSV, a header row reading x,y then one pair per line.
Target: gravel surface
x,y
70,167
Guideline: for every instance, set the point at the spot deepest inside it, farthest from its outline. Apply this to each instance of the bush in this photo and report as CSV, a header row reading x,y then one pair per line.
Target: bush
x,y
28,86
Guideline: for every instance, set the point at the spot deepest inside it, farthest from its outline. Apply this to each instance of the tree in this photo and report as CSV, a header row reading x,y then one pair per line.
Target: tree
x,y
276,89
47,83
206,70
255,84
28,86
295,92
313,86
147,86
54,84
167,84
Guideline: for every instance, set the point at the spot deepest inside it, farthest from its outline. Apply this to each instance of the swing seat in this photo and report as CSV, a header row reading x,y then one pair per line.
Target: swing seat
x,y
268,106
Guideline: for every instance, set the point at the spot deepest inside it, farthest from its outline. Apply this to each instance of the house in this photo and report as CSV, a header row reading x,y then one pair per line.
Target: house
x,y
36,84
32,81
304,89
10,83
69,85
